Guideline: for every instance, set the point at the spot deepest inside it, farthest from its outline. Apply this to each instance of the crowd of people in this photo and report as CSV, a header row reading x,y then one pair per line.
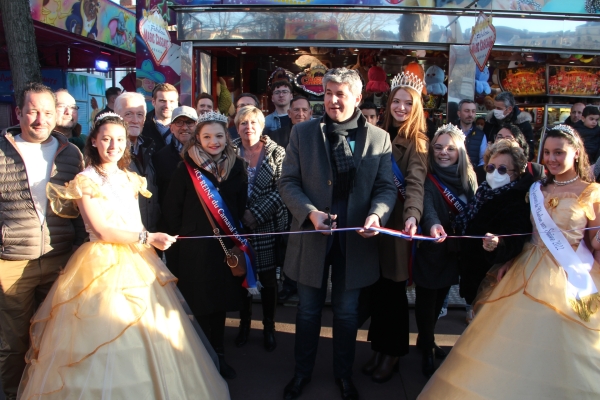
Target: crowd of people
x,y
106,288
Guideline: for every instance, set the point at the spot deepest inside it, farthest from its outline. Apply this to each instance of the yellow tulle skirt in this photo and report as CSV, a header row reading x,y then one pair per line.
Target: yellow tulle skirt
x,y
526,341
113,327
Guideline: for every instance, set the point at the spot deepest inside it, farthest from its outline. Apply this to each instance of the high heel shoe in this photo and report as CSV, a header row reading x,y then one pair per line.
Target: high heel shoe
x,y
372,364
386,369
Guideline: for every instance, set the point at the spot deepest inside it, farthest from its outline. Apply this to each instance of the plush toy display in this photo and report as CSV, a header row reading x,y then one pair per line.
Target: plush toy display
x,y
434,79
377,80
416,69
481,81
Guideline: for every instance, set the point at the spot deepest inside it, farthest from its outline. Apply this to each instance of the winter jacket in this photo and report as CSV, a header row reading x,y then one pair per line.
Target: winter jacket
x,y
149,207
23,237
151,131
591,139
517,117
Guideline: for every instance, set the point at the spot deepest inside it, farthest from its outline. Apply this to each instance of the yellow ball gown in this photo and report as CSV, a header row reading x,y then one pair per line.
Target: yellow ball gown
x,y
113,326
526,341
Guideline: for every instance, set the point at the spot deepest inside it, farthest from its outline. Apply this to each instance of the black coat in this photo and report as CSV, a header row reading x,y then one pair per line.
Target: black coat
x,y
507,213
151,131
205,280
516,117
591,139
165,163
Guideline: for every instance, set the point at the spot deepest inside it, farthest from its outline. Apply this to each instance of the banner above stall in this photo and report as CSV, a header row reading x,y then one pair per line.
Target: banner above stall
x,y
100,20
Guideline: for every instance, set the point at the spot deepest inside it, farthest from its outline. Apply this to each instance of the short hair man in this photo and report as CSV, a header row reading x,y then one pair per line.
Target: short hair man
x,y
299,111
131,106
321,191
204,103
111,95
243,100
282,93
506,112
369,110
165,99
67,114
576,114
36,242
475,140
589,131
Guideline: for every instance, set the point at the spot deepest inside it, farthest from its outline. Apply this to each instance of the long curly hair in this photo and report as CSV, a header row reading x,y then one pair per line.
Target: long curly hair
x,y
414,128
92,157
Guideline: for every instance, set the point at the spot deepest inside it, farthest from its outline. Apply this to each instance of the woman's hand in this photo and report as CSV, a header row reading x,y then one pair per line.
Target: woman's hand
x,y
160,240
248,220
490,242
437,231
410,226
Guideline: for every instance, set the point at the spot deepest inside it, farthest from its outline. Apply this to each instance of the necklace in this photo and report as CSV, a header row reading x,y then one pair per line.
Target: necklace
x,y
564,183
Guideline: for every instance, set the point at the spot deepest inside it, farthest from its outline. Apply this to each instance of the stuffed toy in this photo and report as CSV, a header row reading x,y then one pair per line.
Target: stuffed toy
x,y
416,69
434,79
481,81
377,80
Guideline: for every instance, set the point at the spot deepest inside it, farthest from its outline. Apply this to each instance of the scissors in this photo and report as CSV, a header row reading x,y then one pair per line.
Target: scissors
x,y
328,221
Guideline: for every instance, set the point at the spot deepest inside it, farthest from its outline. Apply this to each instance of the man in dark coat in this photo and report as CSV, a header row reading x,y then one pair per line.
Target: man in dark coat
x,y
164,100
337,171
575,115
475,139
506,111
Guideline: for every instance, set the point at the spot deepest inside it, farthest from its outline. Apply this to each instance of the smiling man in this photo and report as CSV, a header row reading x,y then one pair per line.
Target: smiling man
x,y
131,106
339,168
67,114
165,99
36,242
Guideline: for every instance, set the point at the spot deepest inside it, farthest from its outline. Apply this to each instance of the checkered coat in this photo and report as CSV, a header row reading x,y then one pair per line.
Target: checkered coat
x,y
266,205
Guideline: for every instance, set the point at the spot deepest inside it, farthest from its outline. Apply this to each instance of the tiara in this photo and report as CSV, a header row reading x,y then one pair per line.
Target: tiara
x,y
563,128
407,79
108,114
449,128
212,116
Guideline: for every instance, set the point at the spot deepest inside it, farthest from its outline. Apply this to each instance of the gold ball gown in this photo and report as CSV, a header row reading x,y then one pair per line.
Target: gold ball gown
x,y
113,325
527,341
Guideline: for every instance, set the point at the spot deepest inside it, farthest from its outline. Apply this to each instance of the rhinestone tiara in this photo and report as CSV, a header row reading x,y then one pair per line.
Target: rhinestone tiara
x,y
563,128
408,79
212,116
449,128
108,114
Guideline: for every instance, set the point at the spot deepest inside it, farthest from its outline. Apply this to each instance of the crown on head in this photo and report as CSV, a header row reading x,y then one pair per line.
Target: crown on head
x,y
106,115
212,116
449,128
563,128
408,79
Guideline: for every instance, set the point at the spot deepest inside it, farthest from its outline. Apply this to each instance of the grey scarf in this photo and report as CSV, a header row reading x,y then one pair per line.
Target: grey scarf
x,y
343,166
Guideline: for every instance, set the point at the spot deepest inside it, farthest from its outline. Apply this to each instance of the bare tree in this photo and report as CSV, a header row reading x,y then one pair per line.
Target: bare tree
x,y
20,42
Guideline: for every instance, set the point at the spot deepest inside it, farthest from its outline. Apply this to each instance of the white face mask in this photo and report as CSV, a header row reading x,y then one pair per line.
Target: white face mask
x,y
495,180
499,114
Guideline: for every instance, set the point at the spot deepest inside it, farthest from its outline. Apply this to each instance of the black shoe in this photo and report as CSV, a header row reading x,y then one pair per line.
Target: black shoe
x,y
225,369
242,336
372,364
293,390
269,339
285,293
347,388
440,354
428,365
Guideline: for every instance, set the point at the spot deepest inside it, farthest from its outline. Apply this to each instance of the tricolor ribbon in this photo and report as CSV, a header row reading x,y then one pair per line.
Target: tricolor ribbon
x,y
219,211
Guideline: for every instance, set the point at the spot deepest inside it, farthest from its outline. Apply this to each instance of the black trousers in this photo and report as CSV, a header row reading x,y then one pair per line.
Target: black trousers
x,y
388,332
268,295
213,326
428,305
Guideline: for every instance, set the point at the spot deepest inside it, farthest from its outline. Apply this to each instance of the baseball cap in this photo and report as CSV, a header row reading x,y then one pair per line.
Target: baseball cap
x,y
184,111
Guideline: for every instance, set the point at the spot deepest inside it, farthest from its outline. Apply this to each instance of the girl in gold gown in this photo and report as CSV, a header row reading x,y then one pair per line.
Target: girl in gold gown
x,y
113,326
530,338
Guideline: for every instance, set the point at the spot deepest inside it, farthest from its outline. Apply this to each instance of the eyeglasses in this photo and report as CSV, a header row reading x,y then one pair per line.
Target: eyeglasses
x,y
63,106
439,147
179,123
284,92
490,168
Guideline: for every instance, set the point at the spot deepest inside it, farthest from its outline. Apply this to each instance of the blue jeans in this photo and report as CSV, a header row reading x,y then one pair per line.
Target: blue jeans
x,y
345,319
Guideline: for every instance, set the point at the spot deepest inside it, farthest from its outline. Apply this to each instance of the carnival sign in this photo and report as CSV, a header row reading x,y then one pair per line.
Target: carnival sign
x,y
311,81
483,37
153,30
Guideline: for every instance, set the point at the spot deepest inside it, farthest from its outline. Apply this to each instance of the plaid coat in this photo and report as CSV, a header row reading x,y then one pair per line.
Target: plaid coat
x,y
266,205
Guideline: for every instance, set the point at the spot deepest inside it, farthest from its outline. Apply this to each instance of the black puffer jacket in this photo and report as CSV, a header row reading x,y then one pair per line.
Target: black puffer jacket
x,y
23,237
517,117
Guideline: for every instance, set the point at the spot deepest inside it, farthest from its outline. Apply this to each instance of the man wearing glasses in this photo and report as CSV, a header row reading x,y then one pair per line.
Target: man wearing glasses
x,y
67,114
282,96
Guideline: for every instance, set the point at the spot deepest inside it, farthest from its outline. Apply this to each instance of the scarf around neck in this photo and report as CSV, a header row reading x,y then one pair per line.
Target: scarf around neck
x,y
343,167
450,177
220,168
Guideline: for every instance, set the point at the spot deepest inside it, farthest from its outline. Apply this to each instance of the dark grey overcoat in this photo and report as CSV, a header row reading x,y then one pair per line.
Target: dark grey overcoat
x,y
306,185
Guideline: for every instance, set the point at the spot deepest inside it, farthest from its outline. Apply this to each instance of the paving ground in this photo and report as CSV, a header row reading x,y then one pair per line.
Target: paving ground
x,y
262,375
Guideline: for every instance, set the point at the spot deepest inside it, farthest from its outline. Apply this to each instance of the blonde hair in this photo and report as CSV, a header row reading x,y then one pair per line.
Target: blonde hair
x,y
465,169
248,112
511,148
414,128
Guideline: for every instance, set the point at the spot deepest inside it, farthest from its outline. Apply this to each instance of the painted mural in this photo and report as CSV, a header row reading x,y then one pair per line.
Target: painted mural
x,y
100,20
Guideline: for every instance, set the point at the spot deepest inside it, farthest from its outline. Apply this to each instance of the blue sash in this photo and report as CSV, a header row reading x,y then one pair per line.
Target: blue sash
x,y
399,180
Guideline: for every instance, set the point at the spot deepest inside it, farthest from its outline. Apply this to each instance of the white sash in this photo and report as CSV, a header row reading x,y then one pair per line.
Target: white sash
x,y
577,264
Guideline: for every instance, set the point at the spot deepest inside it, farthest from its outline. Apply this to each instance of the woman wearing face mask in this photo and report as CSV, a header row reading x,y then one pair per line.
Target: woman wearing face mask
x,y
498,207
450,185
205,277
388,304
535,335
